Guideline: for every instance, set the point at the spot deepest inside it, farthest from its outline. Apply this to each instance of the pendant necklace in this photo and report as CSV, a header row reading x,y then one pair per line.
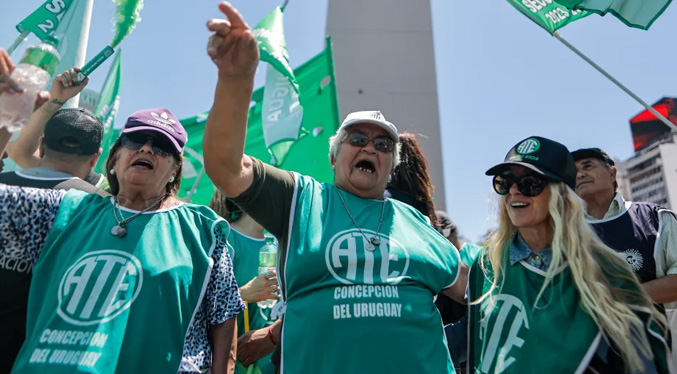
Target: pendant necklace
x,y
120,229
375,242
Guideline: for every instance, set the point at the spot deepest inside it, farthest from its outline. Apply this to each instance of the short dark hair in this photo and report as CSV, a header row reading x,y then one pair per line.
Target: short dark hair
x,y
172,188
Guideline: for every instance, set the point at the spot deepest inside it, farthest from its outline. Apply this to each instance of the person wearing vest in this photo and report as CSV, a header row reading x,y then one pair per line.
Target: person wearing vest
x,y
139,282
549,296
358,271
69,151
644,234
246,239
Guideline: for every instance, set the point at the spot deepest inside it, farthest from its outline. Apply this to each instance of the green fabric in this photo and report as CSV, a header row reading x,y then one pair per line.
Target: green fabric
x,y
308,156
245,255
507,332
373,310
106,304
548,14
107,108
634,13
270,36
469,253
282,112
45,20
251,369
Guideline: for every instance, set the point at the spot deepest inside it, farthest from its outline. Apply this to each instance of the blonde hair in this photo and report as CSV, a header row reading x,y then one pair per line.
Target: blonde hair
x,y
594,267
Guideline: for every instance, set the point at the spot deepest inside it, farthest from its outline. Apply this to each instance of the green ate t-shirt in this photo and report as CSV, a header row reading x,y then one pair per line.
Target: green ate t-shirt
x,y
351,306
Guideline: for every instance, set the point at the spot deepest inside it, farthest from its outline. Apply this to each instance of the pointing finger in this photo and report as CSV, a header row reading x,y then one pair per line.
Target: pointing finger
x,y
233,15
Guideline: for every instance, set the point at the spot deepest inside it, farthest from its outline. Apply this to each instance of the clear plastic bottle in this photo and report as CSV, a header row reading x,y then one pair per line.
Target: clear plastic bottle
x,y
33,74
267,263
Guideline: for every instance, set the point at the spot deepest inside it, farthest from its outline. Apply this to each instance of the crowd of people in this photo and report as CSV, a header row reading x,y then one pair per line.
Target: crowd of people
x,y
115,274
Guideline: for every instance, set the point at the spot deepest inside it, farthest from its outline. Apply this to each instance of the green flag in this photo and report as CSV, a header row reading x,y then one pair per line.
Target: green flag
x,y
282,112
548,14
310,154
107,108
270,35
45,20
634,13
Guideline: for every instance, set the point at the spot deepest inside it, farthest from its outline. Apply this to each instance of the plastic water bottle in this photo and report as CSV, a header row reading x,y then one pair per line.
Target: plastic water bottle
x,y
267,262
33,74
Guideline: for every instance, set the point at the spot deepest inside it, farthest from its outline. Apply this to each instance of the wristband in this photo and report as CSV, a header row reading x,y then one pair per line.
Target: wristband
x,y
270,335
57,102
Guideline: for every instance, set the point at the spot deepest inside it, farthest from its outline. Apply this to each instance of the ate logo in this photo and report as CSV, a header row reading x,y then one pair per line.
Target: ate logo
x,y
352,259
503,314
528,146
99,286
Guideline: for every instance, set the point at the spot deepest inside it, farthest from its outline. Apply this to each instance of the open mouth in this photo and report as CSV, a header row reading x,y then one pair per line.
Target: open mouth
x,y
366,167
519,205
143,164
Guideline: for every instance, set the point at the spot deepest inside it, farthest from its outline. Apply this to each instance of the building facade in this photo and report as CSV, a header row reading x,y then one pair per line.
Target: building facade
x,y
651,174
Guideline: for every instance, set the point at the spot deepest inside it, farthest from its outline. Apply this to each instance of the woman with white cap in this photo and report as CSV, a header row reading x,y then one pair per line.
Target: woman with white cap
x,y
548,296
138,282
358,271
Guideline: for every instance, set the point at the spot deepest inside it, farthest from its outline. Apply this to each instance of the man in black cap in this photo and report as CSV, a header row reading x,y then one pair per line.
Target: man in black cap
x,y
69,150
644,234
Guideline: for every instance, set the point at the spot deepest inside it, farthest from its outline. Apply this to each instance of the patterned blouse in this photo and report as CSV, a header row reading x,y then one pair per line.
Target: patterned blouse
x,y
26,216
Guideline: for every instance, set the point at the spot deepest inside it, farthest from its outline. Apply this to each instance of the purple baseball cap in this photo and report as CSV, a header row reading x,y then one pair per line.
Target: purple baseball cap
x,y
159,120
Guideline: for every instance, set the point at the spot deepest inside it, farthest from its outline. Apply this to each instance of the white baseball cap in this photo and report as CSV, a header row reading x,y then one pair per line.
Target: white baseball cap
x,y
370,116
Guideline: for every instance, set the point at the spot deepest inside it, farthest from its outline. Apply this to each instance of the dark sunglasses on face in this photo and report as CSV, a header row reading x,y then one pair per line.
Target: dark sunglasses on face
x,y
528,185
161,146
385,145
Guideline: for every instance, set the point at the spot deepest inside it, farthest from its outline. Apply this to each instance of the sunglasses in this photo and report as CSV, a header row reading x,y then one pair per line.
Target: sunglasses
x,y
528,185
161,145
385,145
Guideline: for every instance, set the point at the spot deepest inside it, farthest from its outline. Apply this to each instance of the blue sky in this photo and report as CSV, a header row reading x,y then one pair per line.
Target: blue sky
x,y
500,77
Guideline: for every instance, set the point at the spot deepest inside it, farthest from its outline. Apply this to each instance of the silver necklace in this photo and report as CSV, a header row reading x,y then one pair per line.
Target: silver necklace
x,y
120,229
375,242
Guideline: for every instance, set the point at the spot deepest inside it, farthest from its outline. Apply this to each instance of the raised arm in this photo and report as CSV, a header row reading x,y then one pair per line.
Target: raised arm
x,y
234,51
24,151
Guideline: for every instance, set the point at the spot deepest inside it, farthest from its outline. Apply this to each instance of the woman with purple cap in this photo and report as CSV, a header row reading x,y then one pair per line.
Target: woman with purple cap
x,y
358,271
137,282
548,296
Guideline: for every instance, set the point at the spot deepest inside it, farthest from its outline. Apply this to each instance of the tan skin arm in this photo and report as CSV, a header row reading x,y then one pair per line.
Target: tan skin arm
x,y
224,347
234,50
256,343
662,290
457,291
24,151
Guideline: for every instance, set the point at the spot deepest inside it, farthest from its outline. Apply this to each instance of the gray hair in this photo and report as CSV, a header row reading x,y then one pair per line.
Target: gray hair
x,y
341,135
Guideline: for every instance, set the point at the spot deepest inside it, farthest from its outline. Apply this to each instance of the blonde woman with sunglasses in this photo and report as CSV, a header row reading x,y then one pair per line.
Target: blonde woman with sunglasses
x,y
549,296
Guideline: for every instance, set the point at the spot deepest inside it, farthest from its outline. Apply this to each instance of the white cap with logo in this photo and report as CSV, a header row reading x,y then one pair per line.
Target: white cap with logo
x,y
370,116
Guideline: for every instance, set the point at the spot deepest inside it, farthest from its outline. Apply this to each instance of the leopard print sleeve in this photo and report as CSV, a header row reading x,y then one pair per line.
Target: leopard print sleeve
x,y
223,296
26,216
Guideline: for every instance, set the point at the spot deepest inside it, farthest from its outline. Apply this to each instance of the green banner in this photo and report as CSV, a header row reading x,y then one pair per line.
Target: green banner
x,y
107,108
270,35
45,20
634,13
548,14
309,155
282,112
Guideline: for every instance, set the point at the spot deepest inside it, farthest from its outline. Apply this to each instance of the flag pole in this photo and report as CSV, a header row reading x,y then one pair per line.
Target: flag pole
x,y
616,82
189,196
18,41
81,50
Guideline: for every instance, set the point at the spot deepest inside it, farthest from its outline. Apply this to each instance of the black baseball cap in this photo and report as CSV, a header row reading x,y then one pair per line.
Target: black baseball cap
x,y
74,131
597,153
544,156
